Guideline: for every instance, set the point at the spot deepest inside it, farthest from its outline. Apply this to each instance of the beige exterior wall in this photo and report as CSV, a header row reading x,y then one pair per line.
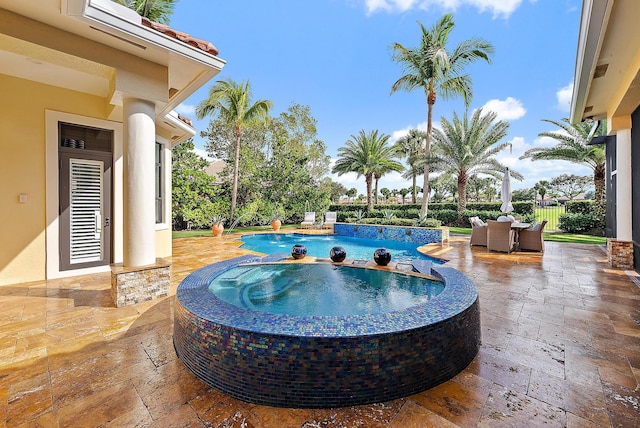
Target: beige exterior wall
x,y
23,171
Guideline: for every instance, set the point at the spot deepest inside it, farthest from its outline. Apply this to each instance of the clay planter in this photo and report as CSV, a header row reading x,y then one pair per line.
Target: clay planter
x,y
275,224
217,229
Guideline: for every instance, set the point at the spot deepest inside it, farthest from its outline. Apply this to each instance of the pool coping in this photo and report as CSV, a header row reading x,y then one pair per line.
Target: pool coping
x,y
459,294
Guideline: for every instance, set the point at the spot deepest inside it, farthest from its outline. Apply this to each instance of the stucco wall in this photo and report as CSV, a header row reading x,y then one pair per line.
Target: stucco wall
x,y
22,171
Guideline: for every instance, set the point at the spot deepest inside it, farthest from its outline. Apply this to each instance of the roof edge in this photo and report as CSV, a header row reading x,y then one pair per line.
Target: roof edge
x,y
592,26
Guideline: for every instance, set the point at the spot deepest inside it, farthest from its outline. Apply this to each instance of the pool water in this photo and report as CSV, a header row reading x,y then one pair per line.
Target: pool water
x,y
321,289
320,246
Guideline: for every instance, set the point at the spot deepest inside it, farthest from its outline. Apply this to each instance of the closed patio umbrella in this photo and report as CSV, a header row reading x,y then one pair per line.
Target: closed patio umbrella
x,y
505,193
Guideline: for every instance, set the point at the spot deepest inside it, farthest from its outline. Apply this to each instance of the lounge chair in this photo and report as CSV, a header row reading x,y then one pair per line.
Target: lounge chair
x,y
478,232
531,239
500,236
309,219
329,219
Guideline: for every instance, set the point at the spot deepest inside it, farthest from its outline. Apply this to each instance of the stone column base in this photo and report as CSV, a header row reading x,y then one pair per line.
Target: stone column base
x,y
131,285
620,253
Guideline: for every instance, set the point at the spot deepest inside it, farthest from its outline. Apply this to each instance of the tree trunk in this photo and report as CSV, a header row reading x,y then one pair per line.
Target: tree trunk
x,y
236,164
599,175
414,194
369,180
462,194
375,196
431,99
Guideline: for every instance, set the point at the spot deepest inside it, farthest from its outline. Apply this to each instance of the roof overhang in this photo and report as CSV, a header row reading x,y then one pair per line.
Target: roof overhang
x,y
32,34
607,74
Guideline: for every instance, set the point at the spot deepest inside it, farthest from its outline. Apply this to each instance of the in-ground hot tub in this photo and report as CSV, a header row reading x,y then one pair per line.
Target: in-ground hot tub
x,y
290,360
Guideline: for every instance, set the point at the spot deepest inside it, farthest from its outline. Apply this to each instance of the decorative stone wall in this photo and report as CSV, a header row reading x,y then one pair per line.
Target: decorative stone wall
x,y
417,235
620,253
138,284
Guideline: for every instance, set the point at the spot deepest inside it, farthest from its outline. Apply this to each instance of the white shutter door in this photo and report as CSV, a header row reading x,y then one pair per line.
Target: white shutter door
x,y
85,222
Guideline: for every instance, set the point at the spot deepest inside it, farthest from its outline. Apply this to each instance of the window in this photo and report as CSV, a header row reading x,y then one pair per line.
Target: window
x,y
159,185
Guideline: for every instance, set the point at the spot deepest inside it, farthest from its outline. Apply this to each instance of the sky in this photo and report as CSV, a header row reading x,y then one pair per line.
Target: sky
x,y
335,56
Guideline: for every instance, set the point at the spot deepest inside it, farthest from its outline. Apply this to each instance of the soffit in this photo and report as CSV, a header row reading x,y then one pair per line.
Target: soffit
x,y
613,87
189,67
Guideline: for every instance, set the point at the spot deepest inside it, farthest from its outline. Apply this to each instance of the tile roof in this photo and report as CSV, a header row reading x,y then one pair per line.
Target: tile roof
x,y
185,119
203,45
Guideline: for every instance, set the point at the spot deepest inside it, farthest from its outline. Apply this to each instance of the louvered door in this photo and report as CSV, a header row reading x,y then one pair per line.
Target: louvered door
x,y
85,215
85,185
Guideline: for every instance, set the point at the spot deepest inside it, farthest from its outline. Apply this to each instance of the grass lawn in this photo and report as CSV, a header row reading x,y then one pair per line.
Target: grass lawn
x,y
551,214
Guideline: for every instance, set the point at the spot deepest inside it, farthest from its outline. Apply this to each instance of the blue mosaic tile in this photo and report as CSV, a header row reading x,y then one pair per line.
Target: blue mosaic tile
x,y
417,235
293,361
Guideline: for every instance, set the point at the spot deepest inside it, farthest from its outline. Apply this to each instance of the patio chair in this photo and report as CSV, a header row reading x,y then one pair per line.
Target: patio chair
x,y
309,219
330,218
478,232
531,239
500,237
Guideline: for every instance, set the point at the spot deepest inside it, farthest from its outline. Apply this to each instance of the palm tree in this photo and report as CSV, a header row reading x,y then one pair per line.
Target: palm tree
x,y
384,168
232,102
410,147
467,147
573,146
154,10
367,155
434,69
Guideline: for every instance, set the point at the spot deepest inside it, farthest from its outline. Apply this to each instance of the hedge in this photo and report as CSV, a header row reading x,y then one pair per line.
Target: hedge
x,y
580,207
519,208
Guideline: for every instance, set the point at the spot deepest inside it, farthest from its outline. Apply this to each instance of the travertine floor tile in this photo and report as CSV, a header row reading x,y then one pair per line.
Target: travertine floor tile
x,y
560,340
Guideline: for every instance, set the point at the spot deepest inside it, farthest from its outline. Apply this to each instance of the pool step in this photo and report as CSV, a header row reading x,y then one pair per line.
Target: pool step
x,y
422,266
275,257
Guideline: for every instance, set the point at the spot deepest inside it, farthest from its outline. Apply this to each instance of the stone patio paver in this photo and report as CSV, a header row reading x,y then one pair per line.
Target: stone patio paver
x,y
561,347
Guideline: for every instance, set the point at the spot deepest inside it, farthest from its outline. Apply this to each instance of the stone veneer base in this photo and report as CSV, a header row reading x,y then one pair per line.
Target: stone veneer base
x,y
131,285
311,362
620,253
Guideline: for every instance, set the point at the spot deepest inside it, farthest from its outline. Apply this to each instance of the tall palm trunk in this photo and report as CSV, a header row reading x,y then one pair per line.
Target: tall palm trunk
x,y
375,196
462,195
369,181
414,193
236,166
431,100
599,175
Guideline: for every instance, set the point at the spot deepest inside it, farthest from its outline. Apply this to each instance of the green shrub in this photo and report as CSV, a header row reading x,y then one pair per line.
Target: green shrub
x,y
580,207
447,217
576,223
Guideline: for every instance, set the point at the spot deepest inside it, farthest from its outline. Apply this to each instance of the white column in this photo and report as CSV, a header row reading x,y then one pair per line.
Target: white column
x,y
139,182
623,184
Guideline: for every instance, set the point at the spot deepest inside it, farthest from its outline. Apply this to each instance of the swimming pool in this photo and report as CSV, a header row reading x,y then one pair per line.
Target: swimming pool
x,y
321,289
320,245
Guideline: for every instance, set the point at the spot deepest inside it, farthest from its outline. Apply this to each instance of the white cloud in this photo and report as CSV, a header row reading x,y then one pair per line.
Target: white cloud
x,y
508,109
564,97
203,154
499,8
186,109
397,134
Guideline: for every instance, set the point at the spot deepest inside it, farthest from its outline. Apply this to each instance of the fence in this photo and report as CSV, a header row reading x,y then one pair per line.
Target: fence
x,y
551,214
